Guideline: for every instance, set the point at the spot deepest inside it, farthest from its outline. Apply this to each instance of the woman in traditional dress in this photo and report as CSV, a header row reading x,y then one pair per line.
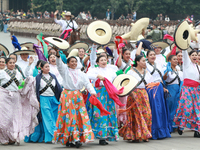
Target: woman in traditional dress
x,y
161,125
2,63
173,79
73,124
180,60
15,123
53,68
139,119
104,127
33,71
188,114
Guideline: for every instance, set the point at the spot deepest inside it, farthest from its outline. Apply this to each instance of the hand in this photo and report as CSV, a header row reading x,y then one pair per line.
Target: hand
x,y
56,12
31,60
120,50
166,90
94,95
57,52
101,77
132,95
71,31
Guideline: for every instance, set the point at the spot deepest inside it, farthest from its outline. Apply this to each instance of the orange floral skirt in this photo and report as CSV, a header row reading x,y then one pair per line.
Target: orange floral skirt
x,y
139,119
73,123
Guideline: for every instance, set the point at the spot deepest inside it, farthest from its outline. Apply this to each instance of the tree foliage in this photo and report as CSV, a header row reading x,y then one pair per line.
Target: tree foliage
x,y
150,8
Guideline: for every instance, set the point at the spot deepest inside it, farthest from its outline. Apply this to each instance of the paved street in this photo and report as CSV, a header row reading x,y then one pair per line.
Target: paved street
x,y
184,142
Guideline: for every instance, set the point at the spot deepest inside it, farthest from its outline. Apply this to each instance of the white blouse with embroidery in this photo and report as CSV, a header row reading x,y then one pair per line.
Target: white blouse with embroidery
x,y
73,79
4,78
172,75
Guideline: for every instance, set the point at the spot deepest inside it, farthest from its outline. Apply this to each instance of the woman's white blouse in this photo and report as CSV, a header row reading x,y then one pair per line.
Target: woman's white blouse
x,y
160,59
49,91
190,70
156,75
148,78
4,78
108,72
73,79
172,75
54,70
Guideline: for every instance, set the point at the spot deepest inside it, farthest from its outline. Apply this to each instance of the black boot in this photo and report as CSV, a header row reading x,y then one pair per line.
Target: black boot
x,y
180,132
78,144
196,134
70,144
103,142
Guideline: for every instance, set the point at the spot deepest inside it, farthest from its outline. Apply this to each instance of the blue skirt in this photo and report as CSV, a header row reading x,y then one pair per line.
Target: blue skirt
x,y
104,127
161,125
45,130
172,101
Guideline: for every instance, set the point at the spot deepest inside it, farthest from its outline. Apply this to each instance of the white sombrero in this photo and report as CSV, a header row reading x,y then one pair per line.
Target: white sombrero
x,y
78,45
24,50
4,49
161,44
57,42
100,51
28,45
74,52
127,81
182,36
68,13
99,32
193,33
173,44
137,28
111,45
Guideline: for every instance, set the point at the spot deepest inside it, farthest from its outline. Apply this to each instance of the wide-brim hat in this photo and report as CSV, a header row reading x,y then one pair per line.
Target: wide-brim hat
x,y
127,81
68,13
182,36
28,45
4,49
99,32
140,25
30,52
111,45
74,52
57,42
99,51
173,44
193,33
78,45
161,44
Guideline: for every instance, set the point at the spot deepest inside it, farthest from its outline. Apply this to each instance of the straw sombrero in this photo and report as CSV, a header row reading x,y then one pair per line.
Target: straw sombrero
x,y
99,32
182,36
74,52
173,44
57,42
24,50
111,45
68,13
161,44
193,33
28,45
99,51
78,45
4,49
127,81
140,25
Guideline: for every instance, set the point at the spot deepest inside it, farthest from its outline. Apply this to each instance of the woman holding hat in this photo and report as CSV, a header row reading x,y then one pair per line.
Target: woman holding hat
x,y
16,123
161,125
73,124
104,127
173,79
187,114
138,124
68,25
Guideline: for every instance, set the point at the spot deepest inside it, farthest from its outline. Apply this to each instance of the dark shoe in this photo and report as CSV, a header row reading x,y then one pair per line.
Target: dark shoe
x,y
70,144
180,132
103,142
78,144
196,134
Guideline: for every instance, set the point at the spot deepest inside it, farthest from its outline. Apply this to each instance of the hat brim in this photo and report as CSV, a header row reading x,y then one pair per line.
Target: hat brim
x,y
127,81
111,45
162,44
30,52
4,49
57,43
140,25
99,25
182,36
74,52
28,45
173,44
78,45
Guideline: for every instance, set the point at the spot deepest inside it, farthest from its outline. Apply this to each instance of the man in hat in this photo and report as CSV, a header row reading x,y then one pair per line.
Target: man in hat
x,y
68,25
156,34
